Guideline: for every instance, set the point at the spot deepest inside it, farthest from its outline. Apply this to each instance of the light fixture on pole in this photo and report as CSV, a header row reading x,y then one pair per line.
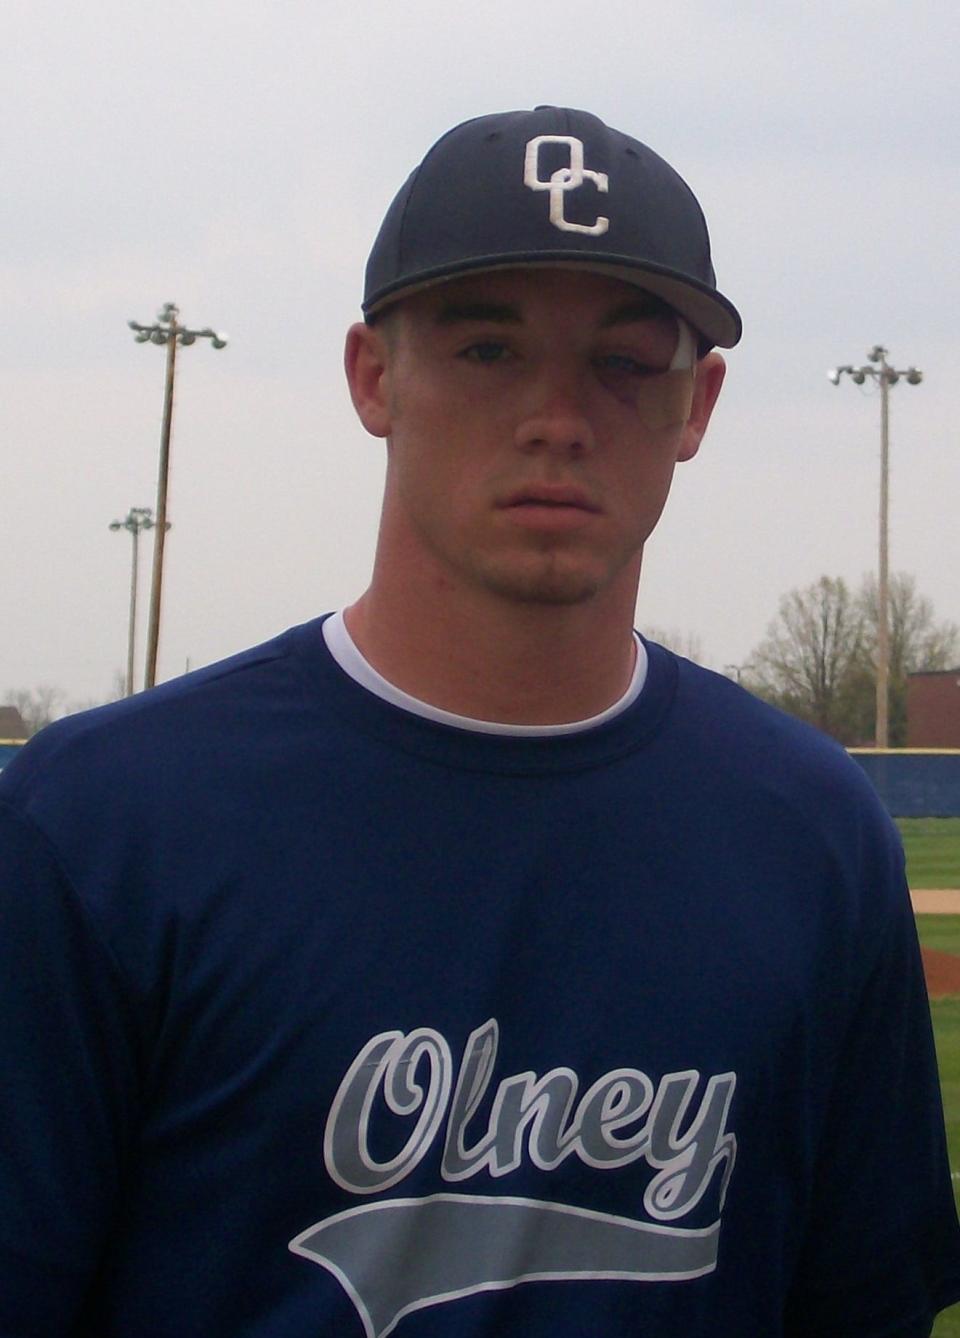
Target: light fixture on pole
x,y
137,518
878,369
167,330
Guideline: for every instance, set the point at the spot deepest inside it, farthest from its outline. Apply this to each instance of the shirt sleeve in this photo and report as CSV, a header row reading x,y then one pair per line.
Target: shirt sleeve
x,y
881,1252
68,1092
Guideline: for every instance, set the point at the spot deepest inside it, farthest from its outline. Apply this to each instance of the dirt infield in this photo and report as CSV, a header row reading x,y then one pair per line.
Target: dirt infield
x,y
936,901
942,970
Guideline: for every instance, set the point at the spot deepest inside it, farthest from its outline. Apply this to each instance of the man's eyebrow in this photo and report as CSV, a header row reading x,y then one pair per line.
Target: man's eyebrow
x,y
453,313
640,309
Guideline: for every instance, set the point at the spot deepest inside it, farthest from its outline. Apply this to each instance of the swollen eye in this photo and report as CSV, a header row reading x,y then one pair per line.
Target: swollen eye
x,y
485,352
619,362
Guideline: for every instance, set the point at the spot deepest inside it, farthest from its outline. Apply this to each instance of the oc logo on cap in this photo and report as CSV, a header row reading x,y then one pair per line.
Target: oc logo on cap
x,y
562,180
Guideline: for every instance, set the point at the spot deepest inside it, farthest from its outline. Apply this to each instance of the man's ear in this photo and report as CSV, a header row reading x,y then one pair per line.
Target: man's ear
x,y
710,372
365,362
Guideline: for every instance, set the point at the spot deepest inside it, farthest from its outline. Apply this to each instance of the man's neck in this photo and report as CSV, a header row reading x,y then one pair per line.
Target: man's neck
x,y
519,664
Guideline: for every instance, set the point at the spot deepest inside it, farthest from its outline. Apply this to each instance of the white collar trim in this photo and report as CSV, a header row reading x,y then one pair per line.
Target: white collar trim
x,y
344,650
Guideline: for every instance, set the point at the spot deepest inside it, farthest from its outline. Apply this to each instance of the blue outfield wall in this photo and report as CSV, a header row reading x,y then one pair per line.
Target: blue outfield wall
x,y
914,782
8,749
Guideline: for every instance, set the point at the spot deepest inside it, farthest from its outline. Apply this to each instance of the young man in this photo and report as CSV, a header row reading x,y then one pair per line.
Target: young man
x,y
461,964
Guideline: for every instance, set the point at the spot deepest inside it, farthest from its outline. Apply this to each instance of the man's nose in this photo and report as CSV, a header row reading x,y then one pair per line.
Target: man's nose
x,y
555,415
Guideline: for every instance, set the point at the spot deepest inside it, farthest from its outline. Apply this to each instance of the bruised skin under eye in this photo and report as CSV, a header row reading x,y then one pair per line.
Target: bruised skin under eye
x,y
661,399
665,399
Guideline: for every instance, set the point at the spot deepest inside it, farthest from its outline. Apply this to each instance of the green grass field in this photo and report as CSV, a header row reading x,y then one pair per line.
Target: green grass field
x,y
933,851
940,931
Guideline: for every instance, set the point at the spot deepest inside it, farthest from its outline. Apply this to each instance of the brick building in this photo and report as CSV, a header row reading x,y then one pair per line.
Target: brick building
x,y
12,733
11,724
933,709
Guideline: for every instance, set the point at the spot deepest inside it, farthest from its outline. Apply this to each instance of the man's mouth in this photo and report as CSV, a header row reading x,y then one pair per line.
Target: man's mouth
x,y
550,509
552,497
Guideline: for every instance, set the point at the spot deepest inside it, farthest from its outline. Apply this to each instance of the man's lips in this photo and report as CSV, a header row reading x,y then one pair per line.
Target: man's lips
x,y
550,508
551,496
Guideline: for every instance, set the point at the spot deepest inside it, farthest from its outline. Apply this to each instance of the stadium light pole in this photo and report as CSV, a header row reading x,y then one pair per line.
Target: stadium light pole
x,y
166,330
137,518
878,369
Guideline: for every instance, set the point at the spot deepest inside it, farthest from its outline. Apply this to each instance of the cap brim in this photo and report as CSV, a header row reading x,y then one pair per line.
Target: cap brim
x,y
711,314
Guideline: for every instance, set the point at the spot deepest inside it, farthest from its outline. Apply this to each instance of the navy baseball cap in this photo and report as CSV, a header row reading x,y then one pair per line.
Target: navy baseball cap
x,y
553,187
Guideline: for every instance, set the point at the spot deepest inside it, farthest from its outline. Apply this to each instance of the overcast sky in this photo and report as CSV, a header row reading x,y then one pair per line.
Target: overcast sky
x,y
237,159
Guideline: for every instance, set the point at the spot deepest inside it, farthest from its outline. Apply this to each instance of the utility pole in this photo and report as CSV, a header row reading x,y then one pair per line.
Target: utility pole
x,y
878,369
137,518
167,330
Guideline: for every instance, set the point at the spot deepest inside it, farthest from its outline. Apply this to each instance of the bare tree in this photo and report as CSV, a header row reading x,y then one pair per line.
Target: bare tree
x,y
684,643
917,641
811,648
37,706
818,660
41,705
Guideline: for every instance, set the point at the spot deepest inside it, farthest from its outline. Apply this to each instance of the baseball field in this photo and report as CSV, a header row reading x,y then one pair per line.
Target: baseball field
x,y
933,861
933,851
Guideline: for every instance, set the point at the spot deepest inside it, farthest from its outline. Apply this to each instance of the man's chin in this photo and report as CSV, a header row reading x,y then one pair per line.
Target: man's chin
x,y
554,584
